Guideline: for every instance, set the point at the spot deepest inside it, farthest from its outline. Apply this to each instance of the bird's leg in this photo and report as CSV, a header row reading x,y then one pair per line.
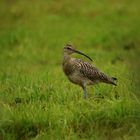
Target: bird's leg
x,y
85,91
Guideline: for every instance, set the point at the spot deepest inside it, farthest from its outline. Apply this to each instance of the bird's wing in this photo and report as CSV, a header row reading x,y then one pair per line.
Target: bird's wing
x,y
89,71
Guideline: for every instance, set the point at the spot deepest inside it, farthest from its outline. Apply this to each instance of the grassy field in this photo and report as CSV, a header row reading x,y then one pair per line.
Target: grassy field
x,y
37,101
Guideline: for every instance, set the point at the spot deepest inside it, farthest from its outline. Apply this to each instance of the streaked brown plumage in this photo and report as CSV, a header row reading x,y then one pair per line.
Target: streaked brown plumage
x,y
81,72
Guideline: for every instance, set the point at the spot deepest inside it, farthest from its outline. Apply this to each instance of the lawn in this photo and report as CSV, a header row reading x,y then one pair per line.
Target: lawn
x,y
37,101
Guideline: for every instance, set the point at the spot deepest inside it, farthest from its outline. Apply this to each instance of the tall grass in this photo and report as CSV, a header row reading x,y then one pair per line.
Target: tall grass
x,y
36,99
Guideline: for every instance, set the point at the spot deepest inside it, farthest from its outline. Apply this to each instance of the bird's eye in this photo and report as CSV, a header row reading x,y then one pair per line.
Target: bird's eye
x,y
68,48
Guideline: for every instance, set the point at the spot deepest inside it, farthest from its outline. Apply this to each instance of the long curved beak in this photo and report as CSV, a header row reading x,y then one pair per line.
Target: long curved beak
x,y
82,54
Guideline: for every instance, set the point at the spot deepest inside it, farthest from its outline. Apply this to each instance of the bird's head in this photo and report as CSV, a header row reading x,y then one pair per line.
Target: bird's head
x,y
68,49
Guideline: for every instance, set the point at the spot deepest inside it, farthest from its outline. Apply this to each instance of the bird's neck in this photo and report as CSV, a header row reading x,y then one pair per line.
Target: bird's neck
x,y
67,64
66,57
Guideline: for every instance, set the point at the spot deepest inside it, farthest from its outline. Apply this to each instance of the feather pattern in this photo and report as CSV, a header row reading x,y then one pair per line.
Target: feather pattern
x,y
90,72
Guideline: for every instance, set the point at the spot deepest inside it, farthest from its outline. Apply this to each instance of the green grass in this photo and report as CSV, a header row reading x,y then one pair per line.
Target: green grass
x,y
37,101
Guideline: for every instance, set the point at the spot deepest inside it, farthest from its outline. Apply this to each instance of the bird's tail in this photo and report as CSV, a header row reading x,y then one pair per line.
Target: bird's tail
x,y
107,79
113,81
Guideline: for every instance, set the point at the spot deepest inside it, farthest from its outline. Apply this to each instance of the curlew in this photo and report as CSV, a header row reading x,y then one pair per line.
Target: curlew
x,y
83,73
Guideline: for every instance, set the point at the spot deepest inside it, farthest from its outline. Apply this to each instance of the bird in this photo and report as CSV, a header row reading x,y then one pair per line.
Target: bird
x,y
81,72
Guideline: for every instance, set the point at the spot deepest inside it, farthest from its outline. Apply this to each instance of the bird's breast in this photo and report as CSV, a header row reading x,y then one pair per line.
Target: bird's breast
x,y
68,68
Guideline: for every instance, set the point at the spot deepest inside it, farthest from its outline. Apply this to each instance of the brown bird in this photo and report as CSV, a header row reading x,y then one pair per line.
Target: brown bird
x,y
83,73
